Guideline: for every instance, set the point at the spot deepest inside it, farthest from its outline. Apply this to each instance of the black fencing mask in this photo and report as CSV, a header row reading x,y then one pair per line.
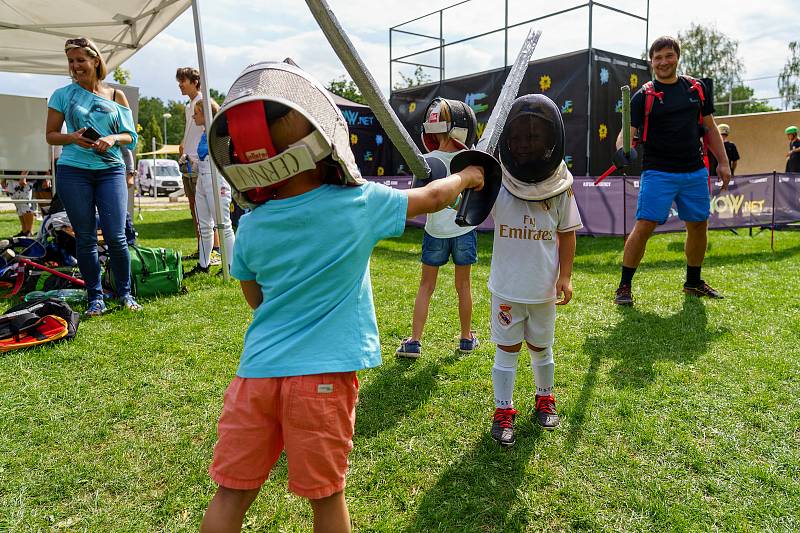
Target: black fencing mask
x,y
532,141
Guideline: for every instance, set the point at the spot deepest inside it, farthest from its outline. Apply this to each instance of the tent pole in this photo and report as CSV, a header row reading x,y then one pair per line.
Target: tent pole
x,y
204,87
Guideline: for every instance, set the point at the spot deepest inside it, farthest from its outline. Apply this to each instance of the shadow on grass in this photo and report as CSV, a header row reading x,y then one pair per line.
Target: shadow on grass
x,y
582,261
680,246
171,229
477,492
395,392
637,343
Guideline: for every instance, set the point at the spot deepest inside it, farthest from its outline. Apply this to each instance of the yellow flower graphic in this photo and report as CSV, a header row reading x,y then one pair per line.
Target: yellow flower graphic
x,y
634,80
353,138
380,171
545,82
412,106
602,131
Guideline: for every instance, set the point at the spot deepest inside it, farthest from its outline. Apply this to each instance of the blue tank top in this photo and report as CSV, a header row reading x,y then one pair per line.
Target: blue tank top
x,y
81,109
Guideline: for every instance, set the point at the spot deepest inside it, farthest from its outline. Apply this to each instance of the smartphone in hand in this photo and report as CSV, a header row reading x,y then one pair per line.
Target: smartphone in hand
x,y
90,134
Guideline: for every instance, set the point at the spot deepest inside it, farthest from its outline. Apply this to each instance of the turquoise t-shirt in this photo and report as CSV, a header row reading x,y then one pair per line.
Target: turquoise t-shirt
x,y
81,109
310,255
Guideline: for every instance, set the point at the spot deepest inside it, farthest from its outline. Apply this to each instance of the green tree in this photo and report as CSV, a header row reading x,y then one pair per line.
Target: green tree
x,y
346,88
150,130
789,78
216,95
420,77
708,53
740,92
122,75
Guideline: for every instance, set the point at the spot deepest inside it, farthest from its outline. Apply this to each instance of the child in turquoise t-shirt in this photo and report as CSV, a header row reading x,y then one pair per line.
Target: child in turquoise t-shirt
x,y
302,258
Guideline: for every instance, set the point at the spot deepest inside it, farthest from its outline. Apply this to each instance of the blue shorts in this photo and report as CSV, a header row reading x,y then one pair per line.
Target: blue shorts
x,y
464,249
689,191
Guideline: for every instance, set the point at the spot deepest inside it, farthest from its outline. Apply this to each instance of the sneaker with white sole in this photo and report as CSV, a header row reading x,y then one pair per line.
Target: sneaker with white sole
x,y
468,345
409,348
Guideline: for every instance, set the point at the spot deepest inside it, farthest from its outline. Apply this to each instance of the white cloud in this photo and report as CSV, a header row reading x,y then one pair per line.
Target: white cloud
x,y
238,33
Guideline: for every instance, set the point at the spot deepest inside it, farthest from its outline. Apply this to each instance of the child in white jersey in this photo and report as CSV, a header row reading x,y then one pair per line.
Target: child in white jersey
x,y
535,219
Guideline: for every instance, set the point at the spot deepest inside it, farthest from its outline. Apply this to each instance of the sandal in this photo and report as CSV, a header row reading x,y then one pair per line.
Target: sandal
x,y
130,303
96,308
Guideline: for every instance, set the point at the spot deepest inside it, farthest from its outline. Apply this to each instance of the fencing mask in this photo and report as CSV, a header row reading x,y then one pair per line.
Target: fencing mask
x,y
532,149
247,139
453,117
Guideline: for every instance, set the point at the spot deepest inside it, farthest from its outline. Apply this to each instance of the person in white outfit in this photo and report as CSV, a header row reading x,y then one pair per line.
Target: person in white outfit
x,y
204,202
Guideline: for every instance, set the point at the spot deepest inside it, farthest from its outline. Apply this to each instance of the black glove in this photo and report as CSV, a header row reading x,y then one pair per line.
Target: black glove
x,y
622,160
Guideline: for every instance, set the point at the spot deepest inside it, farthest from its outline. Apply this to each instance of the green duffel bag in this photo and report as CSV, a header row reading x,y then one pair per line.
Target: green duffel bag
x,y
154,271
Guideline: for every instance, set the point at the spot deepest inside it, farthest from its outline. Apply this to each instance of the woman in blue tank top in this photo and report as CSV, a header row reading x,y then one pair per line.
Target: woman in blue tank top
x,y
90,177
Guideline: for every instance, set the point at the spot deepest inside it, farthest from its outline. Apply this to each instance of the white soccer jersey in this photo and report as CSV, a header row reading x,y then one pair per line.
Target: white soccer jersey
x,y
525,262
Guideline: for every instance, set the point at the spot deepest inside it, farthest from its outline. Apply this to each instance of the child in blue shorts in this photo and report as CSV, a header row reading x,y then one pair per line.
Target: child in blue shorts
x,y
302,257
449,128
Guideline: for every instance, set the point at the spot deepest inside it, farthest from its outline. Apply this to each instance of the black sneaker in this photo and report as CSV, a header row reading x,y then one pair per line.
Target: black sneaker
x,y
191,257
623,295
546,414
196,270
703,289
503,426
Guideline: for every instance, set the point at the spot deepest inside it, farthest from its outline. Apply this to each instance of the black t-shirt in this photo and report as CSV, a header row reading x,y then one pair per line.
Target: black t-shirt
x,y
793,164
673,133
733,155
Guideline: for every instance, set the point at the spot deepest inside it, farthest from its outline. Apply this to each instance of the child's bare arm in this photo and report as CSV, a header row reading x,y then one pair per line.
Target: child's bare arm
x,y
566,255
440,193
252,293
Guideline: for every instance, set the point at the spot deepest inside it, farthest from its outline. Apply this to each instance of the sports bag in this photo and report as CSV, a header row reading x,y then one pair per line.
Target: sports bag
x,y
33,323
154,271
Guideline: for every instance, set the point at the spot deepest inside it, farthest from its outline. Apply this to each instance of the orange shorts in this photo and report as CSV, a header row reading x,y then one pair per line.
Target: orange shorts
x,y
311,417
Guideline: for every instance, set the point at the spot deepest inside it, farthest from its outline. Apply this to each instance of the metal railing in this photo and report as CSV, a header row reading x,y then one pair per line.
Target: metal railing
x,y
442,43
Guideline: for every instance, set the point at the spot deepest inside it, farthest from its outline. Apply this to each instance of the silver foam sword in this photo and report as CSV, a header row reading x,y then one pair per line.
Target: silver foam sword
x,y
468,214
476,205
369,88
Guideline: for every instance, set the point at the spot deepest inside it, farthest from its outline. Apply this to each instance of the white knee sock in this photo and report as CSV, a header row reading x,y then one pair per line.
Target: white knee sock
x,y
544,369
504,373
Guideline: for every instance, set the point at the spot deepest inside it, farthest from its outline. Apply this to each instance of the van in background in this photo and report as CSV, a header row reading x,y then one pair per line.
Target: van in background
x,y
167,176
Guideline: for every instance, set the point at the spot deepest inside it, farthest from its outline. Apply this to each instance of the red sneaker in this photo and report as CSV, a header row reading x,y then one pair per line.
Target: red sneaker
x,y
503,427
546,413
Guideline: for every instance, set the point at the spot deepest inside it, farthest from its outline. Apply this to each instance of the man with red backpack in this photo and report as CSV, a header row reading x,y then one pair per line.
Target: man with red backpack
x,y
672,118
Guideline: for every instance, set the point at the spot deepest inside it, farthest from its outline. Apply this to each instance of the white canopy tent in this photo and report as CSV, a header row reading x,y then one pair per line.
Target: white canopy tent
x,y
32,32
32,35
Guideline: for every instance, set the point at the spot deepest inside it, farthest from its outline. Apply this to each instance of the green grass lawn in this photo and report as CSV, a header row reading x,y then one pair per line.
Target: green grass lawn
x,y
678,414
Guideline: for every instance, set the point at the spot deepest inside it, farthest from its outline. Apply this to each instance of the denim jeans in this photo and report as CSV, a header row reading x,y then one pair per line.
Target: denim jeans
x,y
84,191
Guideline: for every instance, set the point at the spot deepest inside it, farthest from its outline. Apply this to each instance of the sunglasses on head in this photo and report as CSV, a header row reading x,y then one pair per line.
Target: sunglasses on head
x,y
80,42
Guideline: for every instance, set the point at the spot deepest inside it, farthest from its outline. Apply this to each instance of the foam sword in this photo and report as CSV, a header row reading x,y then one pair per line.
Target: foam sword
x,y
394,129
369,88
476,205
628,152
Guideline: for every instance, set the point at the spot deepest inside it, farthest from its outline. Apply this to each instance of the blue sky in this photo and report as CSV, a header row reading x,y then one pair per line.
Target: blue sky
x,y
237,33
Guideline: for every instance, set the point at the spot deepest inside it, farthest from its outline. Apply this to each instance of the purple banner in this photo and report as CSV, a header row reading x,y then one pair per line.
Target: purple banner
x,y
609,208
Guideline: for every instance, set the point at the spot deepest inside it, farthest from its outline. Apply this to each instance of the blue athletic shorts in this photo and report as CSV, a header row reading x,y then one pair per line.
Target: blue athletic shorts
x,y
689,191
464,249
